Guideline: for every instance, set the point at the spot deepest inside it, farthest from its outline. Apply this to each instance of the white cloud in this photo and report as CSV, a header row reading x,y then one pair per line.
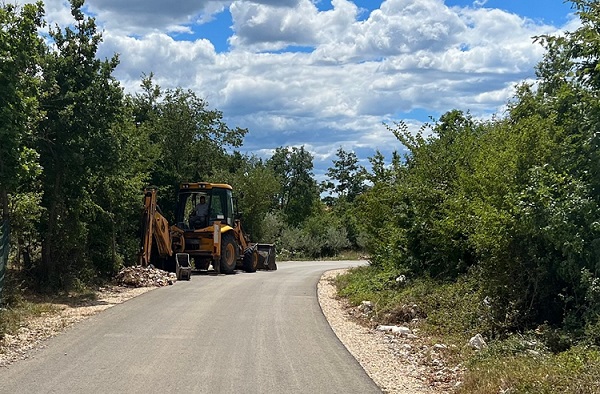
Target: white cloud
x,y
356,71
142,17
271,28
172,61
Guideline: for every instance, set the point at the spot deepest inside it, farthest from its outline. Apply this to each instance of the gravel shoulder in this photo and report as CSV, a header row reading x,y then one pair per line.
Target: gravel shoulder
x,y
394,364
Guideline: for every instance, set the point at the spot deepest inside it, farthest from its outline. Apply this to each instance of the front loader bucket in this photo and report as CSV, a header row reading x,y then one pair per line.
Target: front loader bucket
x,y
266,257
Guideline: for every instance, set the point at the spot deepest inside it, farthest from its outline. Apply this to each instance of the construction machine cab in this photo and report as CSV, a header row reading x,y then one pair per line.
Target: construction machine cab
x,y
218,199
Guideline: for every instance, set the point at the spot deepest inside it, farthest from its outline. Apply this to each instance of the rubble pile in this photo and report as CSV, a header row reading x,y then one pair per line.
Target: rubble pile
x,y
150,276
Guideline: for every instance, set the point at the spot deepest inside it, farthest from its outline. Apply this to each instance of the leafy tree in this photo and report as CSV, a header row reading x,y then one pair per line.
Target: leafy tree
x,y
347,174
78,146
380,201
512,201
574,56
21,50
189,141
418,198
255,185
380,172
321,235
298,194
347,180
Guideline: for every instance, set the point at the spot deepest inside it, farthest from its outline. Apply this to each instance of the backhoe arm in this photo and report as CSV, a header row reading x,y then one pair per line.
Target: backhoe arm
x,y
155,228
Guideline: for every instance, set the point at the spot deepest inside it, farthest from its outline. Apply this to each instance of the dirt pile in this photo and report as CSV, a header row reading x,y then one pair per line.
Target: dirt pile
x,y
150,276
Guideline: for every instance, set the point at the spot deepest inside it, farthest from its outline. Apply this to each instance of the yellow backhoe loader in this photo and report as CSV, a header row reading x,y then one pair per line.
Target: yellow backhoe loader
x,y
207,230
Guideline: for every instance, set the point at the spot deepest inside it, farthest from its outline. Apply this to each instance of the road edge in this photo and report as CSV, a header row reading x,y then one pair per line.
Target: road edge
x,y
369,347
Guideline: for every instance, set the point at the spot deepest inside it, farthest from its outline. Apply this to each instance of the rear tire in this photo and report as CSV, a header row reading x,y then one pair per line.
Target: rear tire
x,y
251,260
229,253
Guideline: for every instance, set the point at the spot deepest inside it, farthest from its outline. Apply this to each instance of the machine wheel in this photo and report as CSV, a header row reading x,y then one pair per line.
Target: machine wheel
x,y
251,260
229,253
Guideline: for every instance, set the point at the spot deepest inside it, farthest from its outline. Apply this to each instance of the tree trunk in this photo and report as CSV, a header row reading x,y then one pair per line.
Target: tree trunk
x,y
49,273
4,202
3,193
26,259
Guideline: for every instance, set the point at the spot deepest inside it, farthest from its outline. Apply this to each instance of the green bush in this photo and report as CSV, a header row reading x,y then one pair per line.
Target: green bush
x,y
319,236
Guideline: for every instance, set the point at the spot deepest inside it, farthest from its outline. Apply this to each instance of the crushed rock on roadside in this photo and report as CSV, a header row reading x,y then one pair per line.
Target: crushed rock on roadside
x,y
138,276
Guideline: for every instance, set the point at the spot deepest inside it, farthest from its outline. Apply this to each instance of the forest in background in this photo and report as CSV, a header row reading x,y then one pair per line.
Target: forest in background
x,y
510,203
77,153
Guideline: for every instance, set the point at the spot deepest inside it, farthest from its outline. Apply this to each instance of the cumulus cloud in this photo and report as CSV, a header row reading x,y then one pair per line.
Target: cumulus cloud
x,y
261,27
144,16
170,60
353,70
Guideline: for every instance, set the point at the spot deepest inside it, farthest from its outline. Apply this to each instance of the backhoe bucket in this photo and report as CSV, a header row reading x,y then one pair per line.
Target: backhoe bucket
x,y
266,257
183,267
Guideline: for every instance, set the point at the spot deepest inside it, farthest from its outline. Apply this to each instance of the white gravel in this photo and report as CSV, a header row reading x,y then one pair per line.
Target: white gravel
x,y
394,363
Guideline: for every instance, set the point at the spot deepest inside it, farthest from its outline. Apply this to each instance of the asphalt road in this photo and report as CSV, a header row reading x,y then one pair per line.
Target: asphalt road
x,y
245,333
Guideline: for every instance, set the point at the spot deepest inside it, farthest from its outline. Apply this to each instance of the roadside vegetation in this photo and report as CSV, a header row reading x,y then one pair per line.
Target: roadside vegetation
x,y
489,227
492,227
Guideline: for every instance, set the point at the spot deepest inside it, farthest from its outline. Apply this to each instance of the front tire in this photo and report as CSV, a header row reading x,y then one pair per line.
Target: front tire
x,y
251,260
229,253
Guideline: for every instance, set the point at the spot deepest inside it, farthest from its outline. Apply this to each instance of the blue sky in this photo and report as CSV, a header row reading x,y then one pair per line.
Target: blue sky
x,y
329,73
549,11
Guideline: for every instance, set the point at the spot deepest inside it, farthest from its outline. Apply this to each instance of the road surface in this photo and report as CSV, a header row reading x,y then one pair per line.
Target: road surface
x,y
260,332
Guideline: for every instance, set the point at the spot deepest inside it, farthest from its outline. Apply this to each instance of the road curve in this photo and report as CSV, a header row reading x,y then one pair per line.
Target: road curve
x,y
246,333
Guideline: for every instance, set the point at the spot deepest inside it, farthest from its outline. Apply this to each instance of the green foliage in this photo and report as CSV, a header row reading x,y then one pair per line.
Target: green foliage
x,y
511,197
422,230
21,50
374,209
495,225
370,283
319,236
255,186
273,226
188,141
298,193
76,154
77,174
15,307
346,184
348,175
574,56
323,235
525,370
80,150
452,312
289,243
